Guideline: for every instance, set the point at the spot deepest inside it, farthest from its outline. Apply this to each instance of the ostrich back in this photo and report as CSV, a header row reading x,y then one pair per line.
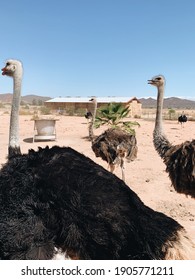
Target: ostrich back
x,y
180,162
105,145
57,197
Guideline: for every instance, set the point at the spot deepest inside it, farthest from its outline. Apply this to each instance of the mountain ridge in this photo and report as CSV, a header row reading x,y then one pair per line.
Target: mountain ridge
x,y
170,102
28,99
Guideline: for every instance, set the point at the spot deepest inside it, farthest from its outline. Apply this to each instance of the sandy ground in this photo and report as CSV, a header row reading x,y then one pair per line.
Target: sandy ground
x,y
146,175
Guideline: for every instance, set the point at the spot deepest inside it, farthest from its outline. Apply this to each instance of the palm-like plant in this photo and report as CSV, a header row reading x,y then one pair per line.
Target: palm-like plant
x,y
113,115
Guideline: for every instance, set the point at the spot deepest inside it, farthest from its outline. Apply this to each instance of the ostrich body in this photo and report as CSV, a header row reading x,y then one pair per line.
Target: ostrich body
x,y
56,197
179,159
113,145
182,119
51,200
14,69
88,115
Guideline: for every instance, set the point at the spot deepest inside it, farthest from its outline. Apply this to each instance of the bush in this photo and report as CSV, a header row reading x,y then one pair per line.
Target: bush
x,y
45,110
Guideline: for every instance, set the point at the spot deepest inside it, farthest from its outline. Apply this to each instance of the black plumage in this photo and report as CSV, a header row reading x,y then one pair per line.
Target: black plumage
x,y
88,115
58,198
182,119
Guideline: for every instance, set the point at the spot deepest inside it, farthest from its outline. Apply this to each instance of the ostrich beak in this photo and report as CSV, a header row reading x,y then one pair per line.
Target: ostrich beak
x,y
151,82
3,71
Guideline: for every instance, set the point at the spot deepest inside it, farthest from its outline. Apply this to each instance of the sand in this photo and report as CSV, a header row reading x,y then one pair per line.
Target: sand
x,y
146,175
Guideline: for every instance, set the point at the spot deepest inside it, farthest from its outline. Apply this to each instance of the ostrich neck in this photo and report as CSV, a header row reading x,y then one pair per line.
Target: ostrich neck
x,y
94,112
161,142
14,118
91,124
158,122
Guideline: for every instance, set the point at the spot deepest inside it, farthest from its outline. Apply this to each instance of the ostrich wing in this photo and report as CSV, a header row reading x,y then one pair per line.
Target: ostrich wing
x,y
180,164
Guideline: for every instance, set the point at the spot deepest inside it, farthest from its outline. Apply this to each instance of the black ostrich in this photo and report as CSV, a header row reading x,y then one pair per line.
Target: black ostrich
x,y
179,159
88,115
113,145
57,200
182,119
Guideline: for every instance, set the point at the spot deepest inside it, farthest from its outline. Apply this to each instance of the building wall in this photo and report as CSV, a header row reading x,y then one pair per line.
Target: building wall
x,y
68,108
80,108
136,109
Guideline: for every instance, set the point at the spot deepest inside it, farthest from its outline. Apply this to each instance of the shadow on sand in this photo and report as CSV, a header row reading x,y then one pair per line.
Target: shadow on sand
x,y
28,140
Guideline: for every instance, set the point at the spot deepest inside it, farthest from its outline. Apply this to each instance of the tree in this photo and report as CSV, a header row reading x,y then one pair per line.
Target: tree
x,y
113,115
40,102
34,102
171,113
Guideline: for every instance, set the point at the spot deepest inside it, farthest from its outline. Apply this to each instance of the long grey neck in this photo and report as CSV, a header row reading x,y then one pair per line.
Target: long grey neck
x,y
14,144
161,142
159,110
91,124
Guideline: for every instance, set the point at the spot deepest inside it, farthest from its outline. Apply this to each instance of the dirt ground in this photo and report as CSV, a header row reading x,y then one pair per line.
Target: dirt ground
x,y
146,175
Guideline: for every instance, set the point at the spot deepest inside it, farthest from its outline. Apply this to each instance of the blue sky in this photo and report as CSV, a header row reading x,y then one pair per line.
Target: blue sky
x,y
100,47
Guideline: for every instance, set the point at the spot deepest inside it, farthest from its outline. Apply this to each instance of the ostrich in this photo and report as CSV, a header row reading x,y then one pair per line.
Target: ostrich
x,y
52,199
179,159
182,119
88,115
113,145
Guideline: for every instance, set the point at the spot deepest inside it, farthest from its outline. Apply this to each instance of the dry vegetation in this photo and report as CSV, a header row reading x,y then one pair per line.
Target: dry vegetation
x,y
168,114
147,113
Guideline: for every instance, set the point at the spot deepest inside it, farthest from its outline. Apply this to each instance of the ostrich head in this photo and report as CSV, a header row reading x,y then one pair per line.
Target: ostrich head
x,y
157,81
12,68
93,100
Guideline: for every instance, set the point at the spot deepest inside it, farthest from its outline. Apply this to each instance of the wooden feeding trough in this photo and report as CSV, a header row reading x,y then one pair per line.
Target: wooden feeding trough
x,y
44,129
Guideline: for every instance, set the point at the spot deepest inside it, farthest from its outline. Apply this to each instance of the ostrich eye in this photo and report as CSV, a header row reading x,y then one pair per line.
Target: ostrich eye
x,y
8,64
159,78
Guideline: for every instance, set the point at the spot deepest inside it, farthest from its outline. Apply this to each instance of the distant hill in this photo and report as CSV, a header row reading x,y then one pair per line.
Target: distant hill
x,y
6,98
29,99
171,102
